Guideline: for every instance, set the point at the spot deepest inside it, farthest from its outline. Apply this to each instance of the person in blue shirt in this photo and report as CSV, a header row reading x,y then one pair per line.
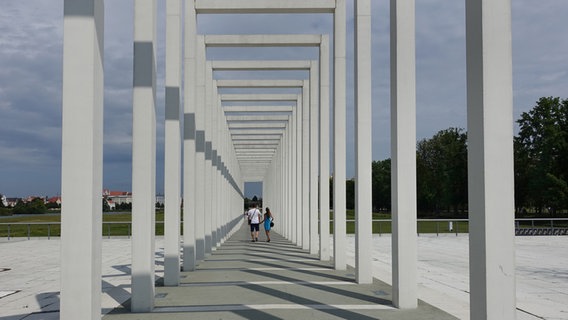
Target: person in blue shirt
x,y
268,218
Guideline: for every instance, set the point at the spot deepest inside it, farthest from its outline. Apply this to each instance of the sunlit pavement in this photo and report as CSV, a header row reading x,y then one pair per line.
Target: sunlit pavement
x,y
29,274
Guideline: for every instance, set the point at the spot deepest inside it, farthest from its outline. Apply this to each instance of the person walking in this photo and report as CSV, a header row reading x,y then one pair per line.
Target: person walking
x,y
268,223
254,216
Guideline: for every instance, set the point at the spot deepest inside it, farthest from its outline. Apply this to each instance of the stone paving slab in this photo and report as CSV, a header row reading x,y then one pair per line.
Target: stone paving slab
x,y
276,280
29,270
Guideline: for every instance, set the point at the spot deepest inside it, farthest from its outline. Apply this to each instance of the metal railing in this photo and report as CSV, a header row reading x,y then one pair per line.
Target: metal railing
x,y
430,226
525,226
53,229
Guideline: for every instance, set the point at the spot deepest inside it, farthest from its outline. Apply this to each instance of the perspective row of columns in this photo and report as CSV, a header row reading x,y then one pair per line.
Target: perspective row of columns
x,y
211,167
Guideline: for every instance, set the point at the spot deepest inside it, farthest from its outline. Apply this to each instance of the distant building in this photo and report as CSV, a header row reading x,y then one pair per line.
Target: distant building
x,y
110,203
160,200
3,200
32,198
11,202
56,200
117,197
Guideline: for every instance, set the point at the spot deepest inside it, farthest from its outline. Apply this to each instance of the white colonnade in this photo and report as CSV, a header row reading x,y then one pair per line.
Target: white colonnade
x,y
212,166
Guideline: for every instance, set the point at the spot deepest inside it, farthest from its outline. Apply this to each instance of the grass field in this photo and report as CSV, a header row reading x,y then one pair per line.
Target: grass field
x,y
119,224
115,224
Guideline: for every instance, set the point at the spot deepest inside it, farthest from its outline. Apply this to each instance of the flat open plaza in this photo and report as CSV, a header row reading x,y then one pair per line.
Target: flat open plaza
x,y
286,282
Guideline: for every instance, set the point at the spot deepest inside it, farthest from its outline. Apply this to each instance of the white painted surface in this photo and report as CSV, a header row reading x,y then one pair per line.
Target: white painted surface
x,y
324,150
490,158
172,147
363,145
189,155
443,273
403,151
339,134
443,267
144,156
82,160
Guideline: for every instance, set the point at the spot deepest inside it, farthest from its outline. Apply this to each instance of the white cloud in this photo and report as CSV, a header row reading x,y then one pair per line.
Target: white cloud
x,y
30,72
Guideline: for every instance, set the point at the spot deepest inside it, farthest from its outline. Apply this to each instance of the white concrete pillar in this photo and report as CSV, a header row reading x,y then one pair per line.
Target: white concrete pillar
x,y
339,136
82,160
199,179
172,156
299,182
490,159
314,138
208,182
324,149
363,145
144,156
403,152
292,175
189,168
306,165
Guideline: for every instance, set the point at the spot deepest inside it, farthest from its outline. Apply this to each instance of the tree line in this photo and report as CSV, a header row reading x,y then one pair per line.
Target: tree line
x,y
540,158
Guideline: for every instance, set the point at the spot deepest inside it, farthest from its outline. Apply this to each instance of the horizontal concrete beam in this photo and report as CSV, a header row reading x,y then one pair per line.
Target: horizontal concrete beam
x,y
252,159
243,131
260,97
263,6
243,151
229,109
257,137
248,125
248,65
254,162
258,117
256,142
264,40
239,84
253,147
248,156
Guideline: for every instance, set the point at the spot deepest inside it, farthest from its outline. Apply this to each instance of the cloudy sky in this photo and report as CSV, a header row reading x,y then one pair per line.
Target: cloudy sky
x,y
31,38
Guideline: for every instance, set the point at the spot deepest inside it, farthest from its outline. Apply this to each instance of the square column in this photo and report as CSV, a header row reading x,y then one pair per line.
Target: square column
x,y
403,152
490,159
363,145
314,138
189,189
299,182
82,160
339,136
199,178
208,182
172,156
144,156
292,175
305,165
324,149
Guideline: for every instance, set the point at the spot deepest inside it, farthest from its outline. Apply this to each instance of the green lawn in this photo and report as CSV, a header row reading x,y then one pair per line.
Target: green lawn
x,y
49,225
26,225
380,227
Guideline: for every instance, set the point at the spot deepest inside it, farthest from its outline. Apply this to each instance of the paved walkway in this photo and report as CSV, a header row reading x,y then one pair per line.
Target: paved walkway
x,y
276,280
276,273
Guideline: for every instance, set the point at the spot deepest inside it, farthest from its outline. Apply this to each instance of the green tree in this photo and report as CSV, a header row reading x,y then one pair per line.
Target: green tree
x,y
106,207
36,206
350,194
541,150
441,164
381,181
